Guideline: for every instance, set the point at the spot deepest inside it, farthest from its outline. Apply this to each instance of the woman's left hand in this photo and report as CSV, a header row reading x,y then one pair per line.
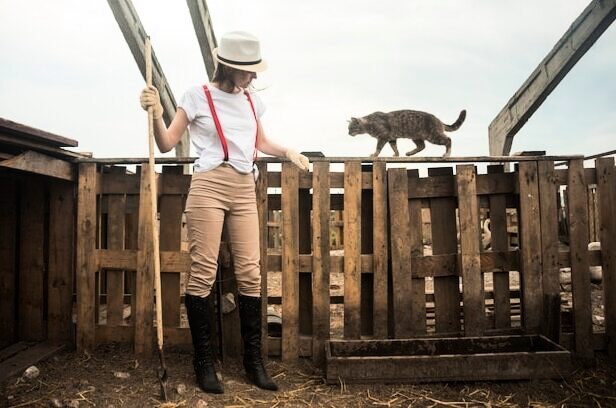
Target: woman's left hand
x,y
298,159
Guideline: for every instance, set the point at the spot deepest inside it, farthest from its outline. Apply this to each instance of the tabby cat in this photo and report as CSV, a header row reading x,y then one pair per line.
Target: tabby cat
x,y
415,125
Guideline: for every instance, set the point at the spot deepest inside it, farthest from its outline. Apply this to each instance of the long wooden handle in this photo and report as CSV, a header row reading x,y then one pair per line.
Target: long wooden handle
x,y
155,239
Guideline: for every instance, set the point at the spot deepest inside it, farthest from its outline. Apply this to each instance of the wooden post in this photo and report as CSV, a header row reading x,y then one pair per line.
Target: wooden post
x,y
446,288
144,313
60,279
530,244
290,262
320,260
499,242
400,251
86,259
366,247
116,220
8,270
379,259
31,260
352,249
171,209
262,209
578,246
418,285
606,197
305,248
549,250
472,279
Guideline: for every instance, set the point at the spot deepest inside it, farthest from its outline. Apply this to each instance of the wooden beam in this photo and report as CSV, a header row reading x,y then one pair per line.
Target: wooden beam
x,y
580,36
134,34
38,163
205,33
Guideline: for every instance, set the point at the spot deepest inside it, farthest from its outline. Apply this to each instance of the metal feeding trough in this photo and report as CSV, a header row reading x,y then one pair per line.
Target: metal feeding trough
x,y
446,359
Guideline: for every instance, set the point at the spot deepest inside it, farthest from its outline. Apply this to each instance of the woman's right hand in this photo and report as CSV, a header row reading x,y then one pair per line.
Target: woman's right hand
x,y
150,98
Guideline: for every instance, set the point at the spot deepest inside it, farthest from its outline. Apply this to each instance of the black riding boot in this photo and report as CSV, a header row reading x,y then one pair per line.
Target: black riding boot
x,y
250,316
199,313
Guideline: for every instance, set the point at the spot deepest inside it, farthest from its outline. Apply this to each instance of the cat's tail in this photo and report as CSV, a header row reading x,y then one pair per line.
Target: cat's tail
x,y
457,124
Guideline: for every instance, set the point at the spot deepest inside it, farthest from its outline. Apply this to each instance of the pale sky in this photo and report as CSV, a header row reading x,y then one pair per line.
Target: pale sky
x,y
65,68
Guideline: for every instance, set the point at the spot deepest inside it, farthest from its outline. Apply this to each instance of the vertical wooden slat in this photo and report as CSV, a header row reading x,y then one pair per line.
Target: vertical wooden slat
x,y
352,249
418,285
400,251
305,278
116,221
60,280
606,197
131,236
379,259
8,270
472,281
549,250
530,244
446,289
578,246
31,261
366,247
171,209
144,313
86,259
262,210
290,261
499,241
320,260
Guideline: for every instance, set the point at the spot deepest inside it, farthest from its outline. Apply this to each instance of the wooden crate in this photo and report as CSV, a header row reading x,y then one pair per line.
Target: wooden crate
x,y
446,359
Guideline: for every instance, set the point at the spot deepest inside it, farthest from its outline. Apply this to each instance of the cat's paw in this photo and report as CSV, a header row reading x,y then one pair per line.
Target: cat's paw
x,y
373,155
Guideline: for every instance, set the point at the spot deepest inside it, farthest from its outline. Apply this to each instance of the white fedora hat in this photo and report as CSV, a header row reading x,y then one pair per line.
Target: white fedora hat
x,y
240,50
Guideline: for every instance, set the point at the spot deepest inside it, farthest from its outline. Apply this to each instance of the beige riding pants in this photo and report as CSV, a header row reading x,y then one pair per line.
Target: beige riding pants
x,y
213,196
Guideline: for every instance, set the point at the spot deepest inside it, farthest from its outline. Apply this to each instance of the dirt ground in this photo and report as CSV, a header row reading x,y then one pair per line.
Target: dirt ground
x,y
78,380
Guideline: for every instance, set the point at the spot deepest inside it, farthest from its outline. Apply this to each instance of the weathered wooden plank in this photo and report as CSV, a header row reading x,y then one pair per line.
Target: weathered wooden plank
x,y
131,235
144,313
31,260
400,251
418,285
8,267
202,23
60,278
574,43
262,210
321,258
115,241
606,197
366,247
446,289
305,248
352,249
578,246
530,242
290,262
38,163
135,35
85,257
171,209
499,241
380,239
472,279
549,250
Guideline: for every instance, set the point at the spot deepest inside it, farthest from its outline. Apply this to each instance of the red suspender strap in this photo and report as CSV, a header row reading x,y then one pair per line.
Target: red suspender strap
x,y
221,136
252,106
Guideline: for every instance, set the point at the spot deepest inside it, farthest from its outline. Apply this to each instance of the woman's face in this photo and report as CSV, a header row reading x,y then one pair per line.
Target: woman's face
x,y
243,78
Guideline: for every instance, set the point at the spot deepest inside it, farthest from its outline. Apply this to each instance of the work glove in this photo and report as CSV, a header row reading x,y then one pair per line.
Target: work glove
x,y
149,97
298,159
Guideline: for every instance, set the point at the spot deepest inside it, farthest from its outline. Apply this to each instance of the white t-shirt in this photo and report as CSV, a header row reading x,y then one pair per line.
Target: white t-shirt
x,y
236,119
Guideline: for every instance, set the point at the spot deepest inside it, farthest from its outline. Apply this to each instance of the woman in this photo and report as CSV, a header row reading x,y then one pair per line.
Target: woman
x,y
226,131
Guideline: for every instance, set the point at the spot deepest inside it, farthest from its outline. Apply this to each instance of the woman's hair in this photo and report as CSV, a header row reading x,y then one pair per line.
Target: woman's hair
x,y
223,75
